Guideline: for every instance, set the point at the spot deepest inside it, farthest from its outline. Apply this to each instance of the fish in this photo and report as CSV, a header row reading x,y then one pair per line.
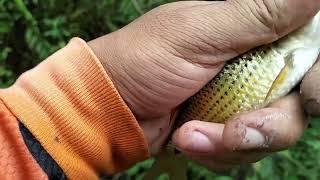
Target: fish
x,y
249,82
257,78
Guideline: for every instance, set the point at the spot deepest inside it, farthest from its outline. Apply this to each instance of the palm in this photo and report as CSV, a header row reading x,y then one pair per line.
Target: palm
x,y
171,83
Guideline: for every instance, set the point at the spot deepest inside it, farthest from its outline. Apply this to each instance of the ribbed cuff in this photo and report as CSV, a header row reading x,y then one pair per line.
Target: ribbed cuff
x,y
71,106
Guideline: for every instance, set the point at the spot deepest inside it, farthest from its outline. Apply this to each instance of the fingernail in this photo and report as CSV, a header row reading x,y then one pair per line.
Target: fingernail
x,y
252,139
199,143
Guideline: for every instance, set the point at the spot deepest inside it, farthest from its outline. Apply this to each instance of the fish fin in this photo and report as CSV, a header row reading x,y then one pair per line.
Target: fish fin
x,y
281,77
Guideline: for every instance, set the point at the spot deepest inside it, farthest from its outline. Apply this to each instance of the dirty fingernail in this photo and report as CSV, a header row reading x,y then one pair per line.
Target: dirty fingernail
x,y
252,139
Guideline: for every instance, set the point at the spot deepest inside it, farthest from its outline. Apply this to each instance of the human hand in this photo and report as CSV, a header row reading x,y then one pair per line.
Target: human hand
x,y
310,91
223,146
245,138
167,55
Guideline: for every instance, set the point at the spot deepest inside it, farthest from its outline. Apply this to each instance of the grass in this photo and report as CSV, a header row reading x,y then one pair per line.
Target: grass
x,y
30,30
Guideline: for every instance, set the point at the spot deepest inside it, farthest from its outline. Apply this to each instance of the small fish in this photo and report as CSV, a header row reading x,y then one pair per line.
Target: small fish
x,y
255,79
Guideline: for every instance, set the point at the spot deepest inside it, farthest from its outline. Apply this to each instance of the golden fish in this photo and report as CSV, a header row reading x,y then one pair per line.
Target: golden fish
x,y
246,83
257,78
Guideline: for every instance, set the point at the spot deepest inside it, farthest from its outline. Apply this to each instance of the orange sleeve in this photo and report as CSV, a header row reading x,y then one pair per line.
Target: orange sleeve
x,y
16,162
71,106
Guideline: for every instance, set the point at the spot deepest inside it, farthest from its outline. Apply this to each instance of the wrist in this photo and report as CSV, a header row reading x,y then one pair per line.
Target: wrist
x,y
108,50
115,52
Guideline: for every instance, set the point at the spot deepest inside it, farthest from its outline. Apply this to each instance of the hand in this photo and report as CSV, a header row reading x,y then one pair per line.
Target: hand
x,y
169,54
249,137
245,138
310,91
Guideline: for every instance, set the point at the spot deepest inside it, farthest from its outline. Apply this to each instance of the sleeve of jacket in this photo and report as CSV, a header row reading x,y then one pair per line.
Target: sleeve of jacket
x,y
71,107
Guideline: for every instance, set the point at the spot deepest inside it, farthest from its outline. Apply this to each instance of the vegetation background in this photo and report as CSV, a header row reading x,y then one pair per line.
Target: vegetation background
x,y
30,30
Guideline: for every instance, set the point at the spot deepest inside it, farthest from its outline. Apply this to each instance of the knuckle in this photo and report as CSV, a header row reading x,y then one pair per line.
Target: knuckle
x,y
185,32
280,16
271,9
269,13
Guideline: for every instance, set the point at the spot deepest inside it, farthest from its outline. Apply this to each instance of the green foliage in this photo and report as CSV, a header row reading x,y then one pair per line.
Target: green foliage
x,y
30,30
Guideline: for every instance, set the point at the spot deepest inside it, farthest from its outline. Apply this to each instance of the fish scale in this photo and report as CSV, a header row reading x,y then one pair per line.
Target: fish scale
x,y
248,82
242,85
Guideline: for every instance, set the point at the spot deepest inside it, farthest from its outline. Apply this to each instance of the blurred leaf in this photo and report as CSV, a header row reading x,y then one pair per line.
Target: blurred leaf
x,y
31,30
4,54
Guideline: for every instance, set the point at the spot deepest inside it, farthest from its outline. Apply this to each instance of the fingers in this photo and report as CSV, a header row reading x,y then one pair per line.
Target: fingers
x,y
269,129
310,91
246,138
203,143
218,31
279,16
250,23
202,139
197,138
